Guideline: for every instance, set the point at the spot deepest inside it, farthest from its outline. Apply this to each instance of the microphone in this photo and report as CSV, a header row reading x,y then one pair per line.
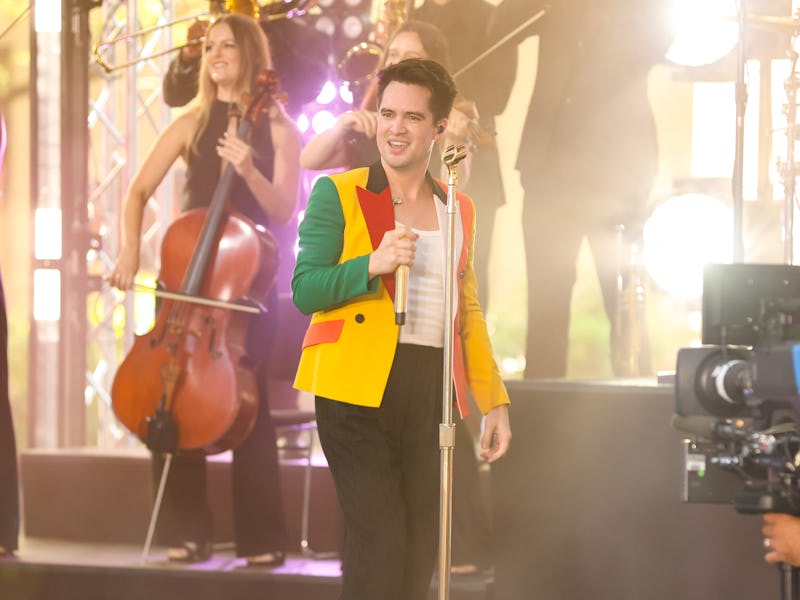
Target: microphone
x,y
710,428
454,155
400,294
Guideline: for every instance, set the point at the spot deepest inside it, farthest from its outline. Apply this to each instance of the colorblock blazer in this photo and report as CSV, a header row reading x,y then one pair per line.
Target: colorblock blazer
x,y
351,340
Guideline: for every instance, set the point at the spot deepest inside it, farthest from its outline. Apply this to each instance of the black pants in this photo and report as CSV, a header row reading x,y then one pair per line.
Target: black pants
x,y
258,515
9,494
553,236
385,465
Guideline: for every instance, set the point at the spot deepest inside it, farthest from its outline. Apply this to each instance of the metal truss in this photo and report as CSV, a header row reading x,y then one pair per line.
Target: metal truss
x,y
126,114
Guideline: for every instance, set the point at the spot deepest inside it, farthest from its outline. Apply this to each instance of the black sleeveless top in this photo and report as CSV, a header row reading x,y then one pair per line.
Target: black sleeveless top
x,y
204,169
202,175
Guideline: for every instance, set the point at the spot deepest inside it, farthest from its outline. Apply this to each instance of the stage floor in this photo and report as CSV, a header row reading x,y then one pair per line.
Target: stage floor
x,y
55,569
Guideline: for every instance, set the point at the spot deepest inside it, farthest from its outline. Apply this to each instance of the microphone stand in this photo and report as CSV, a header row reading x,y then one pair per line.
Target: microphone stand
x,y
789,581
447,439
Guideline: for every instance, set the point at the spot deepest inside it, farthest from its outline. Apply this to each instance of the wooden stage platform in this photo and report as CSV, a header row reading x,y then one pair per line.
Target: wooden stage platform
x,y
86,513
60,570
586,506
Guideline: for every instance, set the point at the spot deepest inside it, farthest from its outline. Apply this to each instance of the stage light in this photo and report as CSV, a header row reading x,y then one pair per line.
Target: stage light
x,y
327,94
47,236
345,93
303,123
347,22
322,121
47,16
706,31
353,27
326,25
684,233
46,295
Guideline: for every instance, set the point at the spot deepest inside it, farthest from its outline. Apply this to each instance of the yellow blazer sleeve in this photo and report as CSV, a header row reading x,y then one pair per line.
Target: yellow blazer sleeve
x,y
483,376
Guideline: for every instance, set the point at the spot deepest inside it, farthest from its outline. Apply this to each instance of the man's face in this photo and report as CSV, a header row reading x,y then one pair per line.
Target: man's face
x,y
406,129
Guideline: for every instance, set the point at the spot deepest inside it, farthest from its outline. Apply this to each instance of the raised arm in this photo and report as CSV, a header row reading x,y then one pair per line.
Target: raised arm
x,y
328,150
180,82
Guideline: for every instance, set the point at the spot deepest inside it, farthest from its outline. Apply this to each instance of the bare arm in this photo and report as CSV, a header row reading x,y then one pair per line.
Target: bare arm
x,y
170,145
328,150
278,198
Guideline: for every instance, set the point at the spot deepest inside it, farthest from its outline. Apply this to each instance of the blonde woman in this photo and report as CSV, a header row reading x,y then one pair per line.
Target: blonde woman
x,y
265,191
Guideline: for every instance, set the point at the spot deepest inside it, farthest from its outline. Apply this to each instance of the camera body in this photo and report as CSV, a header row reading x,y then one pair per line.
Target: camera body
x,y
738,395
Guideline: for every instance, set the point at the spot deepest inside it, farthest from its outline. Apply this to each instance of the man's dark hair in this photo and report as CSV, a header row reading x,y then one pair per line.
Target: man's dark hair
x,y
424,73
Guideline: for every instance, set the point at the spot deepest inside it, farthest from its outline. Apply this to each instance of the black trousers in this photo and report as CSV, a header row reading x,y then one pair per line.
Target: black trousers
x,y
258,515
556,219
9,493
385,465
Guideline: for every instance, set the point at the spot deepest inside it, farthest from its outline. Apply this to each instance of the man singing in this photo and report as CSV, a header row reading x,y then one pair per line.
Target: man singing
x,y
378,386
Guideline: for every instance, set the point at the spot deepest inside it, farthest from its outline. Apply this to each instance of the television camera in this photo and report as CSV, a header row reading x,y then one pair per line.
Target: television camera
x,y
738,395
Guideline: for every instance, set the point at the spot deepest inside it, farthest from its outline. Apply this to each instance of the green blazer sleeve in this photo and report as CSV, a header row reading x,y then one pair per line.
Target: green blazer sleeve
x,y
320,280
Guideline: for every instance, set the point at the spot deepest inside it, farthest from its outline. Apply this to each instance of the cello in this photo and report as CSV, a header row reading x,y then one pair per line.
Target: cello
x,y
188,384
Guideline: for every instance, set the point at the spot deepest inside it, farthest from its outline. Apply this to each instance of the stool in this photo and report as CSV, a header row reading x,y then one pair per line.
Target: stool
x,y
296,431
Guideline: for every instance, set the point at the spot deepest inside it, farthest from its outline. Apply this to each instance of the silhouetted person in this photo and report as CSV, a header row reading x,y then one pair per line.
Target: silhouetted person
x,y
466,25
9,492
588,154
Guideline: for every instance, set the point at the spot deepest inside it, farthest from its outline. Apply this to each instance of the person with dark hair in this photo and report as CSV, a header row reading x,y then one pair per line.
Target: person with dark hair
x,y
378,386
265,189
588,157
299,52
350,142
466,24
9,486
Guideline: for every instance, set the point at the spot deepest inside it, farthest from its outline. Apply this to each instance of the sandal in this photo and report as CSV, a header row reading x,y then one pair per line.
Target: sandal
x,y
268,559
190,552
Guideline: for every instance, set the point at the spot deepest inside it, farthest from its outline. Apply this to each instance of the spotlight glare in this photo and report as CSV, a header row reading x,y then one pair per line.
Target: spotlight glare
x,y
345,93
683,234
325,25
706,31
302,123
352,27
327,94
47,234
322,121
46,295
47,16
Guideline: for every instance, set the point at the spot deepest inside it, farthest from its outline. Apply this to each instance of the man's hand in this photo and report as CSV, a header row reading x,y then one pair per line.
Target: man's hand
x,y
782,538
496,433
194,48
396,248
